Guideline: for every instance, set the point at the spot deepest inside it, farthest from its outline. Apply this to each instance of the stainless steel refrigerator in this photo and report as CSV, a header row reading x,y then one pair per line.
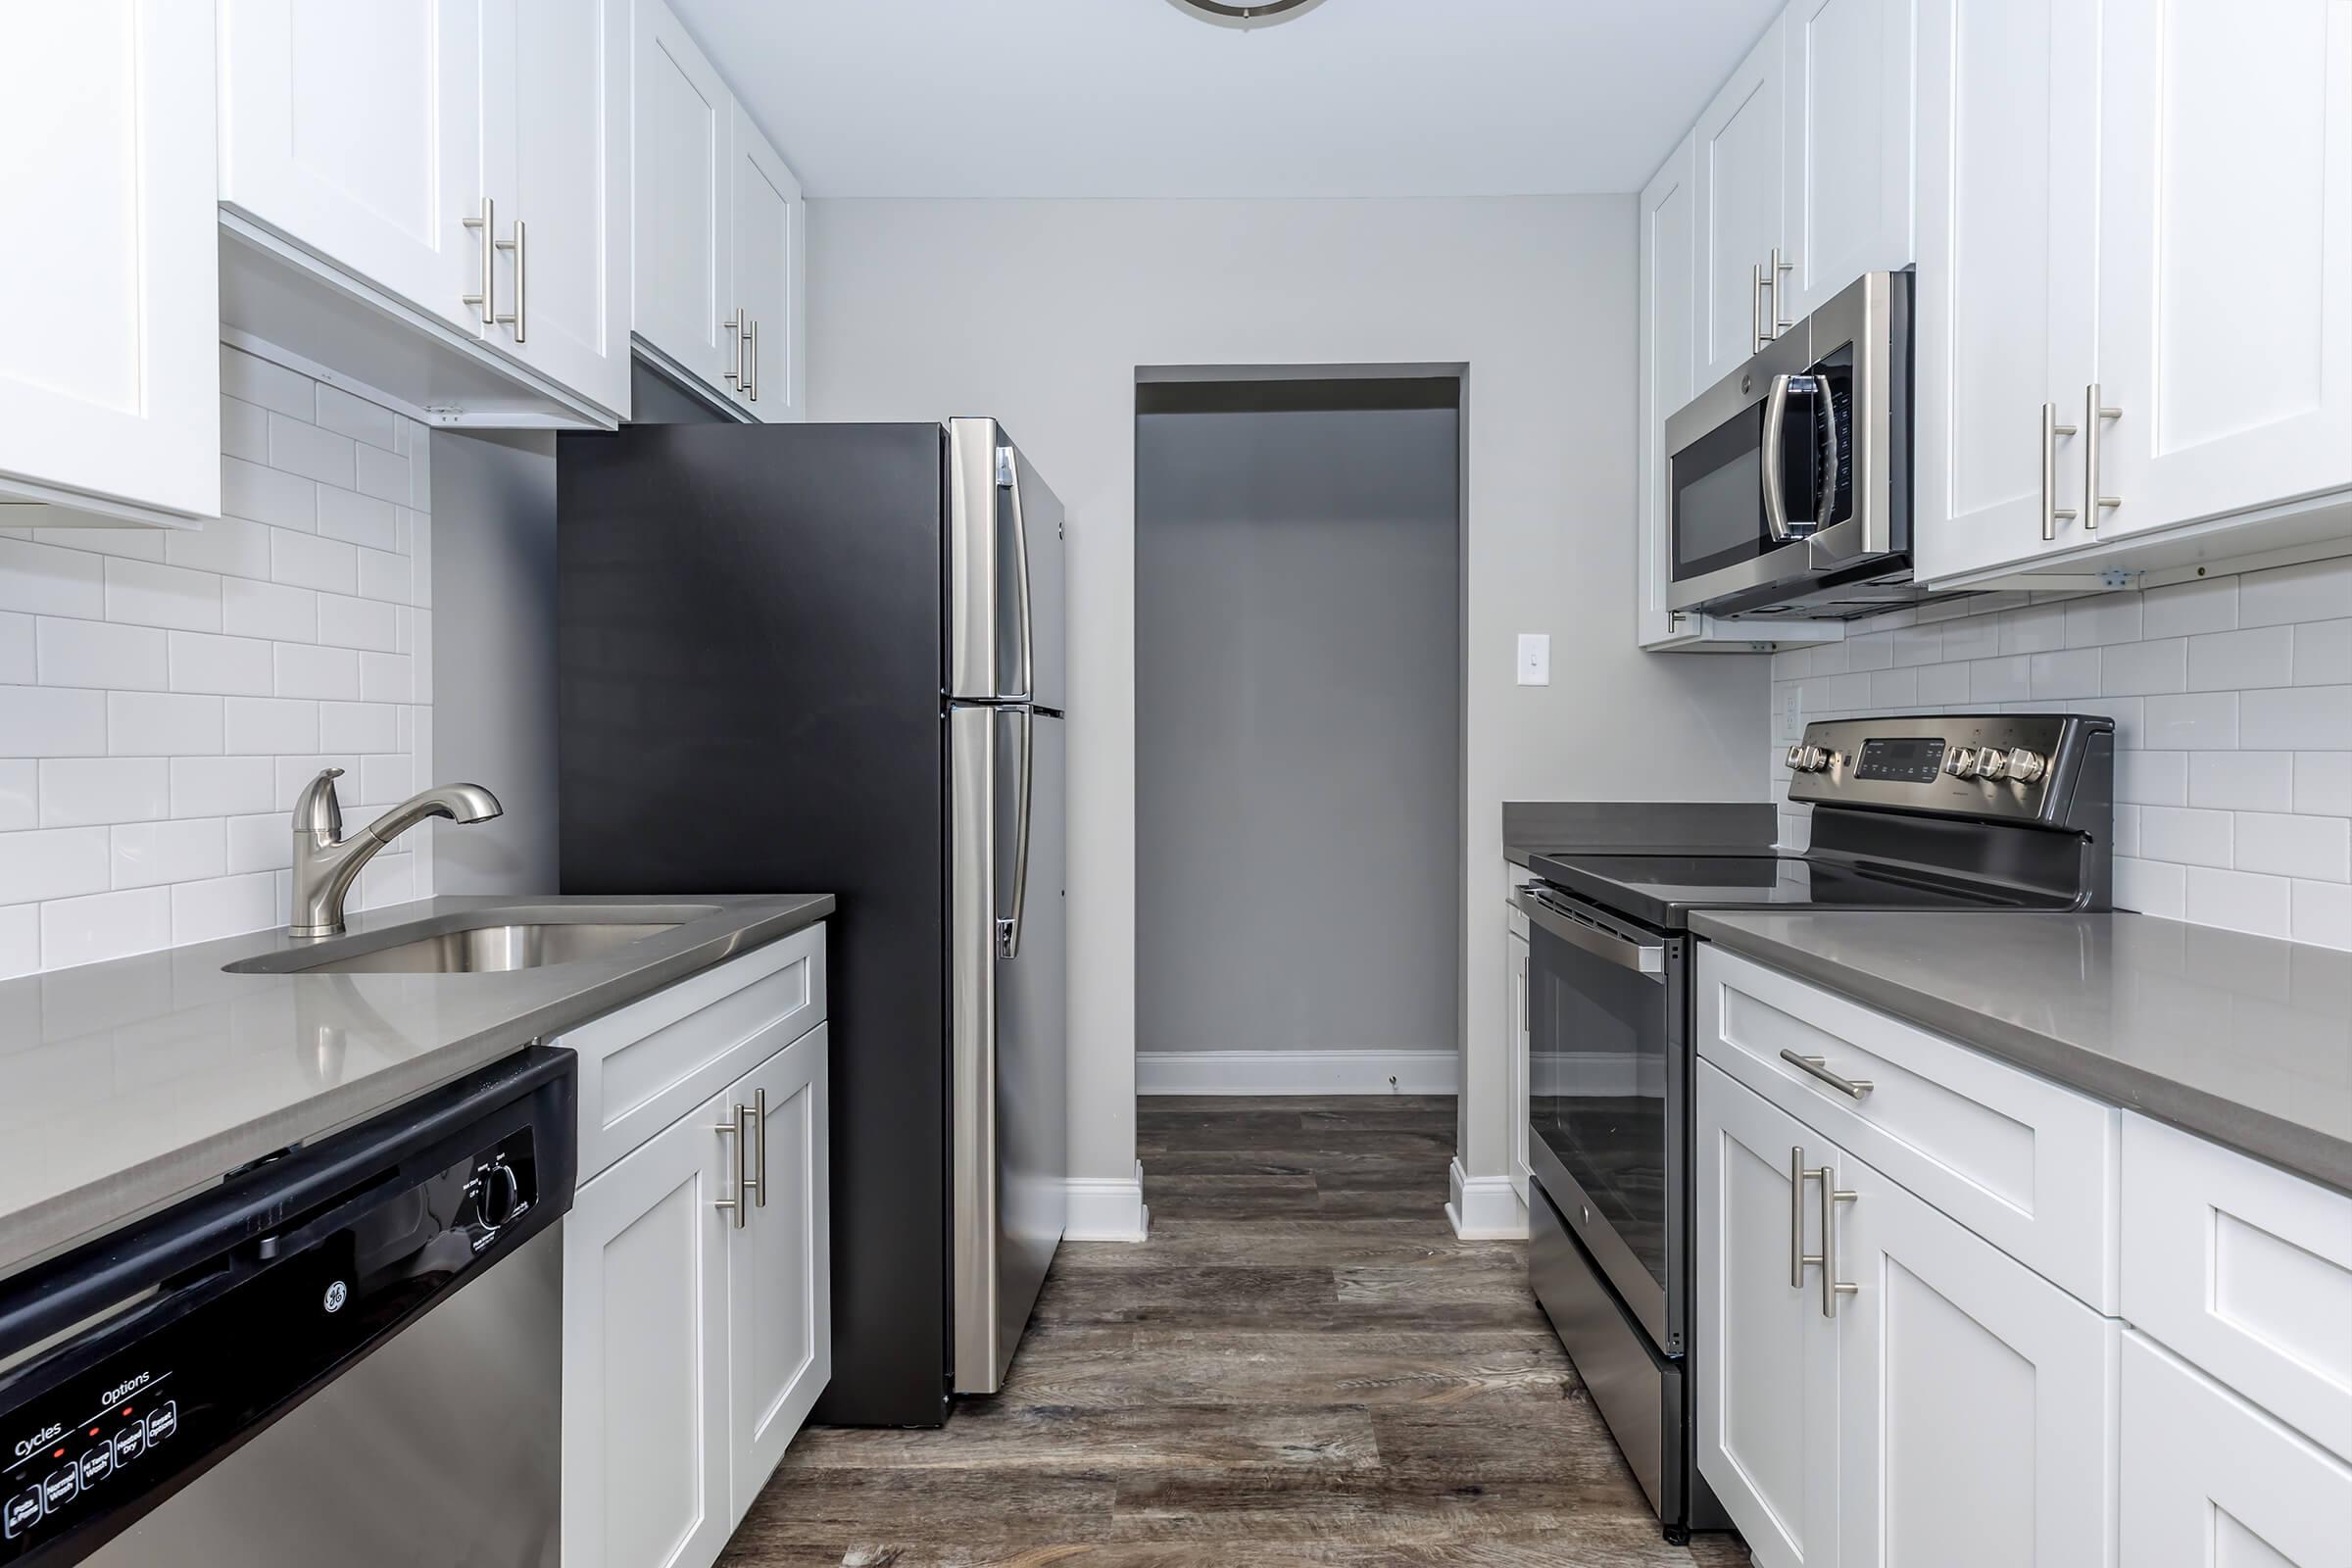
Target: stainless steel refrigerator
x,y
831,657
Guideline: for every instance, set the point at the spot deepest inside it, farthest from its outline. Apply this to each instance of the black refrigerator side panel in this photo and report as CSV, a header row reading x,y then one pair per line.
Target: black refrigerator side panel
x,y
750,657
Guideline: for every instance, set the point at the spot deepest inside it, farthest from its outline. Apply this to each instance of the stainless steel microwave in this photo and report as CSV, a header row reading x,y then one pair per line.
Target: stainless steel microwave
x,y
1790,480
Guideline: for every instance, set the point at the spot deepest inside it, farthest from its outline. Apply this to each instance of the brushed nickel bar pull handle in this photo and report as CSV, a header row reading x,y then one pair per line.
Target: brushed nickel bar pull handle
x,y
1779,301
2093,411
487,299
751,359
733,327
519,317
736,1125
1799,1259
2051,512
1831,1287
1851,1088
1755,309
759,1115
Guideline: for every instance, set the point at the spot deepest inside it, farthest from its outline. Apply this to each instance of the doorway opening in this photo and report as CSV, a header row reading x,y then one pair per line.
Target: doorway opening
x,y
1298,731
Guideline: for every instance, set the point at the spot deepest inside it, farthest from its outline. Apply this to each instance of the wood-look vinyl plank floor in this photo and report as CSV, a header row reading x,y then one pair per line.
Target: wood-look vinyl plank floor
x,y
1302,1365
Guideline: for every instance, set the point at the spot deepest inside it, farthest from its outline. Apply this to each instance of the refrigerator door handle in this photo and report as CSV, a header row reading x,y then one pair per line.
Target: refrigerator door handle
x,y
1009,929
1008,475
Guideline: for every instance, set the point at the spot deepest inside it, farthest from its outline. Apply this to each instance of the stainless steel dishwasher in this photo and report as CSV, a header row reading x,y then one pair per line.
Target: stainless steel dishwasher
x,y
348,1354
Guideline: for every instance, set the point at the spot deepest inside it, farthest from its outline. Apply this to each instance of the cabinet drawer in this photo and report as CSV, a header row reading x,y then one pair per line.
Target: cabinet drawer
x,y
2243,1270
2025,1164
2208,1478
643,1067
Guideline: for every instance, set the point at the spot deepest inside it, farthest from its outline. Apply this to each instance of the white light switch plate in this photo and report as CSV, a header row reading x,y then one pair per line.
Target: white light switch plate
x,y
1534,659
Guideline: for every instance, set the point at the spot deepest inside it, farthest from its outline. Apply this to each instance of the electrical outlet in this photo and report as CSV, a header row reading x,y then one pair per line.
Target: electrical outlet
x,y
1534,659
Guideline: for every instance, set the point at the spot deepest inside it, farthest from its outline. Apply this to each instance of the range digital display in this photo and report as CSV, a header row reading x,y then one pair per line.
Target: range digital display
x,y
1910,761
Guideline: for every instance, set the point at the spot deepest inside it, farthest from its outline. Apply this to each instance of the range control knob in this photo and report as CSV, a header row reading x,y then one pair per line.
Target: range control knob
x,y
1807,760
1992,763
2025,766
497,1194
1961,761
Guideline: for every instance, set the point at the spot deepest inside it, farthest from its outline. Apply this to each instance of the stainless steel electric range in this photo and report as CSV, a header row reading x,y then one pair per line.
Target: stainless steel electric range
x,y
1989,811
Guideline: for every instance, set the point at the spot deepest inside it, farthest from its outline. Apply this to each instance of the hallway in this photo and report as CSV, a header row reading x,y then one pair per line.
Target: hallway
x,y
1302,1365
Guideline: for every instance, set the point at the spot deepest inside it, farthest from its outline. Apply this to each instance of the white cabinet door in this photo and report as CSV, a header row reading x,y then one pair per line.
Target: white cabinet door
x,y
2007,139
1765,1356
1973,1395
2224,258
1663,383
110,370
1848,155
1514,960
356,132
682,116
560,151
765,216
779,1264
646,1475
1738,149
2210,1482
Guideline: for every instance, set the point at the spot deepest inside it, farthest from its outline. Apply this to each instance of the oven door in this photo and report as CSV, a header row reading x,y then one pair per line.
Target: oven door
x,y
1608,1095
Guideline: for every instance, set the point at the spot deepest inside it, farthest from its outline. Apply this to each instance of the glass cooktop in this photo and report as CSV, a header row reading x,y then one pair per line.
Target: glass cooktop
x,y
1662,890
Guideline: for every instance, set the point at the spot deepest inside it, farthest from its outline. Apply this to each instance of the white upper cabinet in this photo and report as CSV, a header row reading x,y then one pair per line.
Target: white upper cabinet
x,y
355,131
2007,229
1663,382
560,151
1847,162
2224,258
769,245
109,369
1738,150
681,116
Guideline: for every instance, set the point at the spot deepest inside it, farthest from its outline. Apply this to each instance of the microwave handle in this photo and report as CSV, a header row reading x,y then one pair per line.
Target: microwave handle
x,y
1776,501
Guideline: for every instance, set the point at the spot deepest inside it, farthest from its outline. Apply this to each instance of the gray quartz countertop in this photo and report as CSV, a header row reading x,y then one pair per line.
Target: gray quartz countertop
x,y
2244,1040
1604,827
126,1084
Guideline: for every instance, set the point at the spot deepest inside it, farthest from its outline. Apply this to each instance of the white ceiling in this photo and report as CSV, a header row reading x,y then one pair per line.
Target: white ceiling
x,y
1134,98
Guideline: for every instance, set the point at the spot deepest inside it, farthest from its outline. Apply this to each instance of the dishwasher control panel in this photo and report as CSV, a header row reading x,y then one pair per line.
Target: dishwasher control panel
x,y
126,1411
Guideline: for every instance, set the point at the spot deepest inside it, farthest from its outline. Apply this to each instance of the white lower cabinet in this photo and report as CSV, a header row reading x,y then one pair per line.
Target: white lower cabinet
x,y
1949,1409
2210,1482
697,1318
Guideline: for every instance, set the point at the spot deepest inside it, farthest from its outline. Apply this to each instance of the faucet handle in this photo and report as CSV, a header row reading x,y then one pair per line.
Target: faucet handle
x,y
316,811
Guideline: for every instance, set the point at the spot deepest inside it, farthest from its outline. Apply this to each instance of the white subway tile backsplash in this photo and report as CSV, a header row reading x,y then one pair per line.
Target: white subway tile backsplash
x,y
105,925
2318,590
2323,652
84,792
1943,685
1874,649
163,725
2099,620
2151,778
2151,886
2239,901
2192,721
2315,718
153,595
2320,912
100,654
2282,845
1889,688
269,609
2033,628
2186,609
2072,672
236,667
45,580
196,659
1914,645
2234,660
2186,836
1974,637
2324,783
2001,680
2131,669
2242,781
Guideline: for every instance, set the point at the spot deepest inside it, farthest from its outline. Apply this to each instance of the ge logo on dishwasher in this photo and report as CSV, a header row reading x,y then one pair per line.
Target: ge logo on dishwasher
x,y
336,1295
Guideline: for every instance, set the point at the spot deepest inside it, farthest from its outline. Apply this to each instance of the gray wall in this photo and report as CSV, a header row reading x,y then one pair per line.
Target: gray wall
x,y
1296,705
494,656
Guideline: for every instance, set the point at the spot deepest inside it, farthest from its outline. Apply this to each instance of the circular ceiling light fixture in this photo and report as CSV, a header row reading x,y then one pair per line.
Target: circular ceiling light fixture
x,y
1259,14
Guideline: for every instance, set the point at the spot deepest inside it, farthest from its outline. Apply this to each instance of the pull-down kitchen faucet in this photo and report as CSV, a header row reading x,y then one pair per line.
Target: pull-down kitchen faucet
x,y
327,863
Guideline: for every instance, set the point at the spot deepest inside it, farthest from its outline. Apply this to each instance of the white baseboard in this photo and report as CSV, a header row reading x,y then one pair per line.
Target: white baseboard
x,y
1297,1072
1484,1209
1107,1208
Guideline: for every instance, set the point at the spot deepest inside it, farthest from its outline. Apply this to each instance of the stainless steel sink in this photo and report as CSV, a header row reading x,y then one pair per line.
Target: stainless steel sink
x,y
479,942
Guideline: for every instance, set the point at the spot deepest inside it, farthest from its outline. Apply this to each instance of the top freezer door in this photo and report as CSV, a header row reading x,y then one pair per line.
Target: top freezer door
x,y
1005,574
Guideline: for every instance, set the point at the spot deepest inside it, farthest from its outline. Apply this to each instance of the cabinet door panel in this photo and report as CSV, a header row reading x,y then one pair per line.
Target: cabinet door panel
x,y
567,178
765,216
1765,1358
110,370
2210,1482
2225,255
681,116
2005,231
646,1481
1663,382
1974,1396
1738,152
356,131
1848,155
779,1267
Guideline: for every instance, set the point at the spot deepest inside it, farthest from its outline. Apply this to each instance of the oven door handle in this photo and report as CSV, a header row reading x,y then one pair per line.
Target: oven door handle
x,y
1647,958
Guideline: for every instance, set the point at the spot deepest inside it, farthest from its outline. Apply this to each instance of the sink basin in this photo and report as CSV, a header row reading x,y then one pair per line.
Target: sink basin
x,y
482,942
